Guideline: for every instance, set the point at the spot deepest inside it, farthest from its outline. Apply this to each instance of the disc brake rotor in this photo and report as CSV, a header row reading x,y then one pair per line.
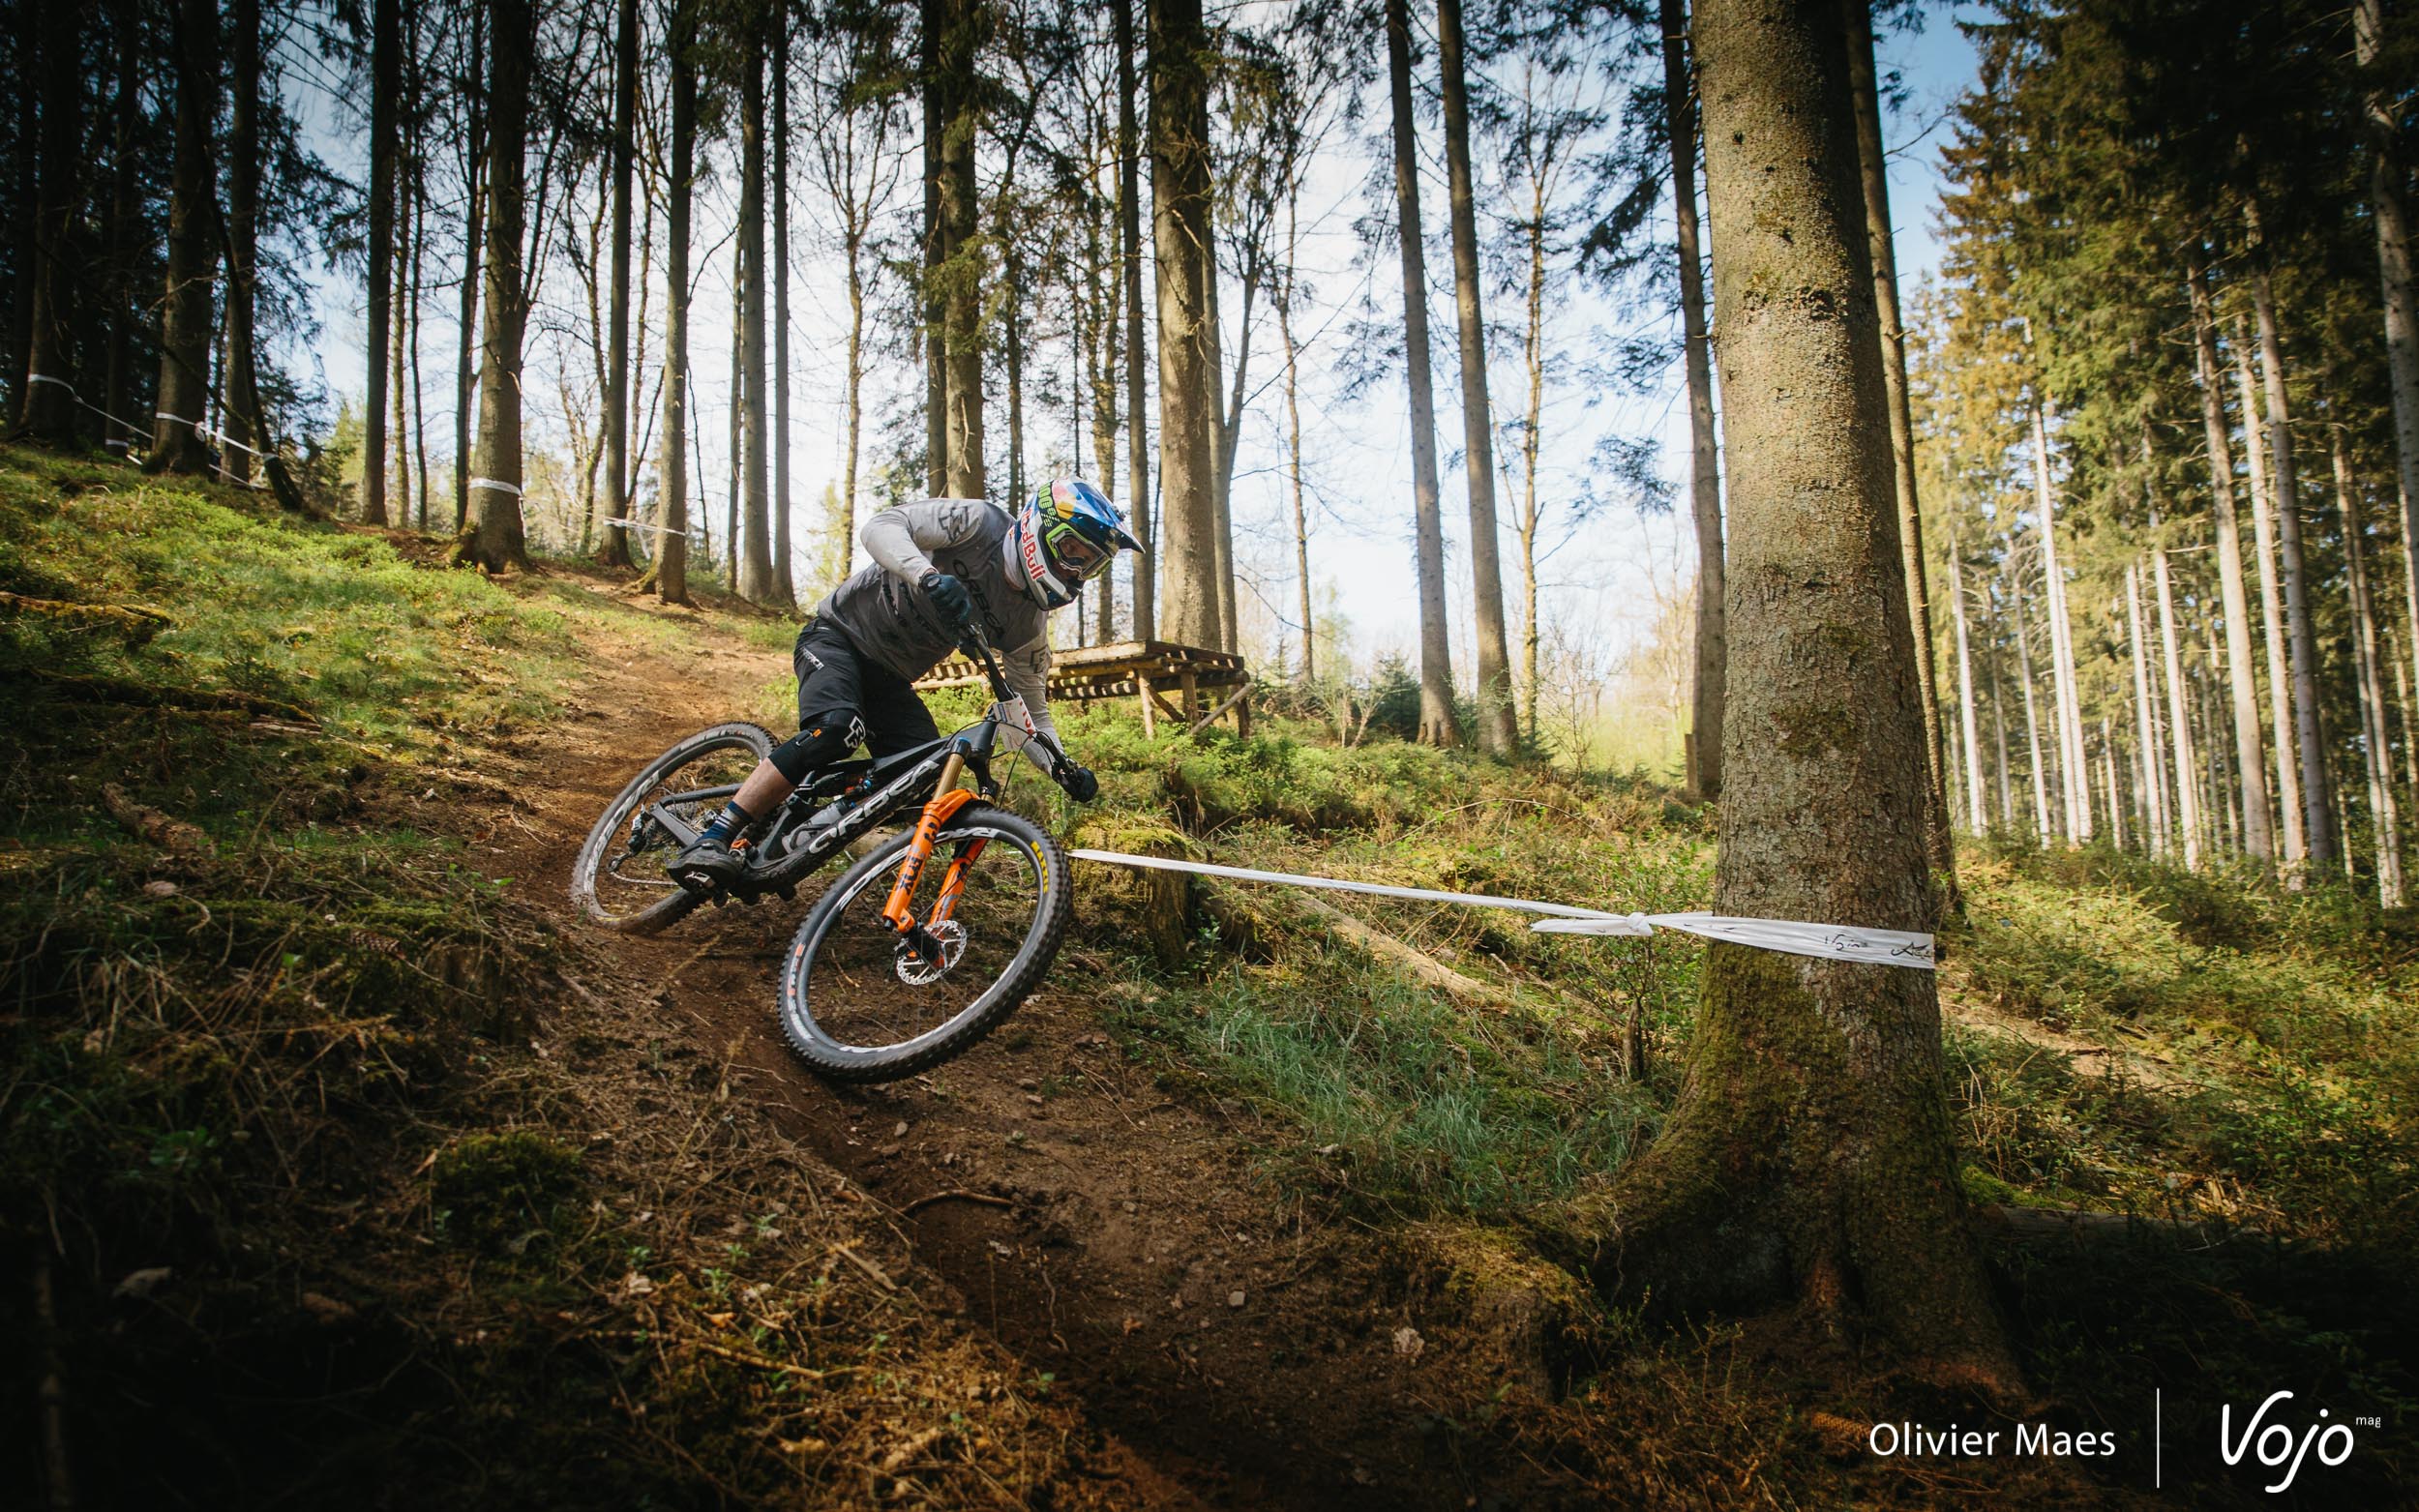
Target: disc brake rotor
x,y
916,971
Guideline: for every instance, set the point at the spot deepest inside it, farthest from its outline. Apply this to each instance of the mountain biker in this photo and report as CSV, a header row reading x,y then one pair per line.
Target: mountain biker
x,y
939,567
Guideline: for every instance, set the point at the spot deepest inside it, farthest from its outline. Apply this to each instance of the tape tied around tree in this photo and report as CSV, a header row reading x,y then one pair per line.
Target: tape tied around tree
x,y
497,484
632,524
1823,941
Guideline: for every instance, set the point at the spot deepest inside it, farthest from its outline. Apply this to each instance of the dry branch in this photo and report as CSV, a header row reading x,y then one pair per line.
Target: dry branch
x,y
135,622
152,825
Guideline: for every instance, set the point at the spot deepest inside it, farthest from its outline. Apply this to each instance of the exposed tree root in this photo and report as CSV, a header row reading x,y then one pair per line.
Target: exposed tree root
x,y
117,690
151,825
135,623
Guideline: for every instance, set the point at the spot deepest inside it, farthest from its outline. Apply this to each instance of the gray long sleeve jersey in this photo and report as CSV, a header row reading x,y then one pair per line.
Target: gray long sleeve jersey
x,y
881,608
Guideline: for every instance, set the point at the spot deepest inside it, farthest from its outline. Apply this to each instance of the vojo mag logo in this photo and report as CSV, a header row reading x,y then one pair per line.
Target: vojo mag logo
x,y
2275,1445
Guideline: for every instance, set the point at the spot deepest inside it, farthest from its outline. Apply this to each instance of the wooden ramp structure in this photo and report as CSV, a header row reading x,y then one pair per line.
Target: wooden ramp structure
x,y
1167,681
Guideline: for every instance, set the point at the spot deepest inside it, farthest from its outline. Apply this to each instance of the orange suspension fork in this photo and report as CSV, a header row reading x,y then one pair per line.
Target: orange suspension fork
x,y
948,799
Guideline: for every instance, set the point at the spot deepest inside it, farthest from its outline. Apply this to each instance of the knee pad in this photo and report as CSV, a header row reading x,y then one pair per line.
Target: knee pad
x,y
825,738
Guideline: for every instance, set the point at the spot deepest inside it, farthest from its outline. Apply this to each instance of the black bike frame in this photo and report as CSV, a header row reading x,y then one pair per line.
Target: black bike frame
x,y
916,771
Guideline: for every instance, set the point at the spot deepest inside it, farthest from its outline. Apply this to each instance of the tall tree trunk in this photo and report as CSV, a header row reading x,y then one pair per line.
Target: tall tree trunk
x,y
398,374
1498,733
2294,848
1102,292
25,223
492,536
2386,208
385,145
843,550
2074,771
784,584
2032,708
672,556
2376,750
124,229
187,313
1999,739
1309,671
616,548
1873,173
1705,501
1228,424
2318,813
1811,1152
755,581
966,22
416,195
2257,839
932,21
473,249
1437,726
735,452
1138,509
46,396
1179,184
246,425
2145,718
1975,817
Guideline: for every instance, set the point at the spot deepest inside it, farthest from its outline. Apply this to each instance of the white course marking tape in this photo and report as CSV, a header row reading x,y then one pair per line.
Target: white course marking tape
x,y
1824,941
498,484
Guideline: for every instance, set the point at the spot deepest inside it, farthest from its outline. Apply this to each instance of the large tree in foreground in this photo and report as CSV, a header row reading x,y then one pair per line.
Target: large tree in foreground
x,y
1808,1158
491,536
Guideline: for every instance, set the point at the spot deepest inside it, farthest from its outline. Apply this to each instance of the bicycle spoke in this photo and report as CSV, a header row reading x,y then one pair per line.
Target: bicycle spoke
x,y
869,990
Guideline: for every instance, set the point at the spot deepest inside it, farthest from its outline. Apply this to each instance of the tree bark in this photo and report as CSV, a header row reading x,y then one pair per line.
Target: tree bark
x,y
933,20
755,583
615,550
672,556
1705,501
474,247
2257,839
2293,848
1139,510
246,424
2146,718
964,26
2386,208
187,308
46,406
2375,748
1499,734
2317,813
1179,183
123,232
385,91
2074,775
1228,425
2039,772
1976,818
1810,1153
784,584
492,537
1437,724
1873,173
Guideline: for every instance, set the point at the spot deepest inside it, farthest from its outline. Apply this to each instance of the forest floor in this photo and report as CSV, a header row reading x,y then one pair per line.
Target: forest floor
x,y
348,1164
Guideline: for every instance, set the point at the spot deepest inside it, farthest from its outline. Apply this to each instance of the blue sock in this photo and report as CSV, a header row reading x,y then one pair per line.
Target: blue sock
x,y
728,822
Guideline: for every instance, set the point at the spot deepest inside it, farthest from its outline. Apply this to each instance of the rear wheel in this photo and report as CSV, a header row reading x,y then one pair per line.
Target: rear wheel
x,y
619,881
858,1005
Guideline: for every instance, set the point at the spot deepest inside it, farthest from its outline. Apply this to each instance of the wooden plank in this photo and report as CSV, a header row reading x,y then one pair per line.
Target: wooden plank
x,y
1151,723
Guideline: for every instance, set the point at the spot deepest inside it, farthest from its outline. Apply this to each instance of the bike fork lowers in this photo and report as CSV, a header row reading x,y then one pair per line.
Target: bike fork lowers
x,y
898,911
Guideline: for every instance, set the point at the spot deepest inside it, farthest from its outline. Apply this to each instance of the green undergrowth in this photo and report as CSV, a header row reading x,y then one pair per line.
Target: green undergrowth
x,y
2264,1046
330,1172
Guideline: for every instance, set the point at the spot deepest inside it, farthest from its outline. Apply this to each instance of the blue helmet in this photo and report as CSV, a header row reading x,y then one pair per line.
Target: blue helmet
x,y
1067,533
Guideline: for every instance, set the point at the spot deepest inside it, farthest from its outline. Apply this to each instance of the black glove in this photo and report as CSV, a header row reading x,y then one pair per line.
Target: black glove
x,y
949,600
1079,782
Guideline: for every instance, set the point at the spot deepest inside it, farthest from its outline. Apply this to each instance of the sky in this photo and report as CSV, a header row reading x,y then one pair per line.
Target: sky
x,y
1604,585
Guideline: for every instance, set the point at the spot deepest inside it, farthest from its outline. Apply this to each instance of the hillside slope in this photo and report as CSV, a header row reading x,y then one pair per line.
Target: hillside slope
x,y
341,1162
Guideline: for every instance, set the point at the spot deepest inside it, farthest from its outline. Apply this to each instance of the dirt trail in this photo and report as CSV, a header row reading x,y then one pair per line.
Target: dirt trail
x,y
1110,1234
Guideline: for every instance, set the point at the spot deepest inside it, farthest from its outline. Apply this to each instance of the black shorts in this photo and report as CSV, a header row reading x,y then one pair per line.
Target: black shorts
x,y
842,687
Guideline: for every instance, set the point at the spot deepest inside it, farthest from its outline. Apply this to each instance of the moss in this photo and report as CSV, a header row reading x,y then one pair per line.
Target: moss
x,y
498,1192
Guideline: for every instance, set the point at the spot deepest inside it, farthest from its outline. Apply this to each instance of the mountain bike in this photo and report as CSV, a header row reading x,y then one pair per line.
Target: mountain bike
x,y
871,989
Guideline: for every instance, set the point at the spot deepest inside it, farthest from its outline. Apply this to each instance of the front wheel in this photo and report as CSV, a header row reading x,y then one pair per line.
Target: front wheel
x,y
858,1005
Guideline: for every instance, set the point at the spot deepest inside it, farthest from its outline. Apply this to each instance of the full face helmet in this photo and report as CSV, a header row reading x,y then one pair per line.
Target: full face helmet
x,y
1067,533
